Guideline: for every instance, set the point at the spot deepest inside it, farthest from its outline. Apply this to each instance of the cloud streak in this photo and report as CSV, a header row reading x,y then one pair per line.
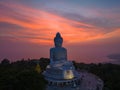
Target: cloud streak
x,y
40,22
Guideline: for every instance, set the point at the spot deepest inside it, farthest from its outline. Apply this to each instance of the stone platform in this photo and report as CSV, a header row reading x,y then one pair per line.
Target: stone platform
x,y
88,82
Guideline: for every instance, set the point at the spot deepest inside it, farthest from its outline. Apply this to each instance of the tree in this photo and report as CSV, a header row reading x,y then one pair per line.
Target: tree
x,y
5,62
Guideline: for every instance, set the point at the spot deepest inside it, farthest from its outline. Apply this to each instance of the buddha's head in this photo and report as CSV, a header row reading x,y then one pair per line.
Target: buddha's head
x,y
58,40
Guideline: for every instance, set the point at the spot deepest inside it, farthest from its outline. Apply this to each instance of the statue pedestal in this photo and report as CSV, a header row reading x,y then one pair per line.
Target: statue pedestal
x,y
87,81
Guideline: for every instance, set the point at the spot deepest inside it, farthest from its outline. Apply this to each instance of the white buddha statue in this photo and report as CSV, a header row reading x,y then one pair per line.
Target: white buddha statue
x,y
58,54
59,67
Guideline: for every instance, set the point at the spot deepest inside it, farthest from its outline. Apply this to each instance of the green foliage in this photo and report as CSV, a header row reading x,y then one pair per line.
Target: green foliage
x,y
21,75
29,80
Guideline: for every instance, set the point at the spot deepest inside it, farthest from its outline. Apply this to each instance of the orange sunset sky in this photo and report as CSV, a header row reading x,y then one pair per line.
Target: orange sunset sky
x,y
90,29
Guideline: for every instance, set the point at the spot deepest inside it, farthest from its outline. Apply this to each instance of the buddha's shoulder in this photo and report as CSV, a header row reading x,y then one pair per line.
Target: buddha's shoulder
x,y
63,48
54,48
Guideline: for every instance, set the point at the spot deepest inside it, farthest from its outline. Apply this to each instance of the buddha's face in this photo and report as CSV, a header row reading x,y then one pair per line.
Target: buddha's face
x,y
58,43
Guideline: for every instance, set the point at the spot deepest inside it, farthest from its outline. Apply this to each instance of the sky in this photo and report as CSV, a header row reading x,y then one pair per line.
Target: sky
x,y
90,29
